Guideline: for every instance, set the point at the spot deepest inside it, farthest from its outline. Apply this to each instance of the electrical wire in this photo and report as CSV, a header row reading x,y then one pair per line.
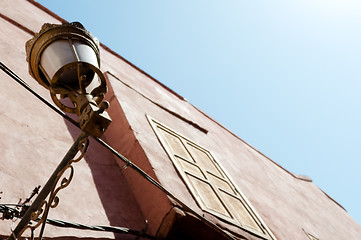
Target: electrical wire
x,y
101,228
14,76
9,212
127,162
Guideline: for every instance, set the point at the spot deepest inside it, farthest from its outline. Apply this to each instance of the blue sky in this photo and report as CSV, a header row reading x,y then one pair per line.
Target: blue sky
x,y
283,75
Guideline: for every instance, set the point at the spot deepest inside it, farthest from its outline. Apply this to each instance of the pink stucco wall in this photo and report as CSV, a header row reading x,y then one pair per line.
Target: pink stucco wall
x,y
34,139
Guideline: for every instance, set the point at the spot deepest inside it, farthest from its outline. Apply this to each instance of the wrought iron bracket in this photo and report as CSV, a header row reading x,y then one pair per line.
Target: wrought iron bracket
x,y
37,213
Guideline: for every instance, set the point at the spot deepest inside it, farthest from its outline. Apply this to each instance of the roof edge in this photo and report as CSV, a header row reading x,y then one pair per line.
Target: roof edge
x,y
38,5
142,71
333,200
306,179
167,88
298,177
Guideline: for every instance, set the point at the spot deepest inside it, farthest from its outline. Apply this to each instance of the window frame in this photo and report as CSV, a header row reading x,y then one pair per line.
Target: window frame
x,y
233,220
310,236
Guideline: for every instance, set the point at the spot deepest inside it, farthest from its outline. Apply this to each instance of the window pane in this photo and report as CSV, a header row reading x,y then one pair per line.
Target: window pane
x,y
240,211
220,183
176,145
190,168
204,160
208,196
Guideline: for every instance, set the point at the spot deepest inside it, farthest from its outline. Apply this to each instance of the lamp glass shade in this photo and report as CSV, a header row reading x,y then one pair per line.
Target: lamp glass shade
x,y
61,59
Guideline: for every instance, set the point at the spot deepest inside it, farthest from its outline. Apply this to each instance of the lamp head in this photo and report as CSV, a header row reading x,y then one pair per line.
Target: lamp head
x,y
55,52
64,58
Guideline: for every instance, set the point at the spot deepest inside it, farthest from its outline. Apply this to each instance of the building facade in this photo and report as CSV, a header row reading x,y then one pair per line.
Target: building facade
x,y
195,179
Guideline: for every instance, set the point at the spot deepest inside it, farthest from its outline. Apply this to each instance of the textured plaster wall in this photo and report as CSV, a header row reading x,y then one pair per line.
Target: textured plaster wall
x,y
34,139
285,203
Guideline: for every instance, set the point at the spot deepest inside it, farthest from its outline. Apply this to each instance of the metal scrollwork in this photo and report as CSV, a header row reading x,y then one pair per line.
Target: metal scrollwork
x,y
40,215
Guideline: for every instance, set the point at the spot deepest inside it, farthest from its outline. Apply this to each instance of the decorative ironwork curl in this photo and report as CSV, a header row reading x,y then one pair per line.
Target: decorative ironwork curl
x,y
82,148
39,216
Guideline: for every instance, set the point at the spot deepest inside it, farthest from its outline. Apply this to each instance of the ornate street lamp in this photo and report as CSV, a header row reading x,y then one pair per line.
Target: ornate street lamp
x,y
65,60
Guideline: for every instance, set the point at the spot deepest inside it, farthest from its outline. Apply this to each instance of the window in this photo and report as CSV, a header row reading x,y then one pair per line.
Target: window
x,y
209,184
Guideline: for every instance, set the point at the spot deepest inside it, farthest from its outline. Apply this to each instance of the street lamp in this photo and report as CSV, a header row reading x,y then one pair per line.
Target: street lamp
x,y
65,60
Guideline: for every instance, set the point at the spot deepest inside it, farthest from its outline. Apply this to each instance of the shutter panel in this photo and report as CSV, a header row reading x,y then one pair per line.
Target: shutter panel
x,y
207,181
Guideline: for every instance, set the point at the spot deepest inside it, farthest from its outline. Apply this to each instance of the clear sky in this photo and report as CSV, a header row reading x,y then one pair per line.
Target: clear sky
x,y
283,75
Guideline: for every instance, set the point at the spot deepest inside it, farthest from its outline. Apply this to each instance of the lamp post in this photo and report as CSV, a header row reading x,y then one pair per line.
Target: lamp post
x,y
65,60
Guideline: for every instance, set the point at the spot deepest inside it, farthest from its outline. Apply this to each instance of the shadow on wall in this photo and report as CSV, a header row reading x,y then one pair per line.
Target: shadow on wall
x,y
116,197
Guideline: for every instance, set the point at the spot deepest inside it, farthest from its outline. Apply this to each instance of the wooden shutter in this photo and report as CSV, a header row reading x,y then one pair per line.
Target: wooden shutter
x,y
207,181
